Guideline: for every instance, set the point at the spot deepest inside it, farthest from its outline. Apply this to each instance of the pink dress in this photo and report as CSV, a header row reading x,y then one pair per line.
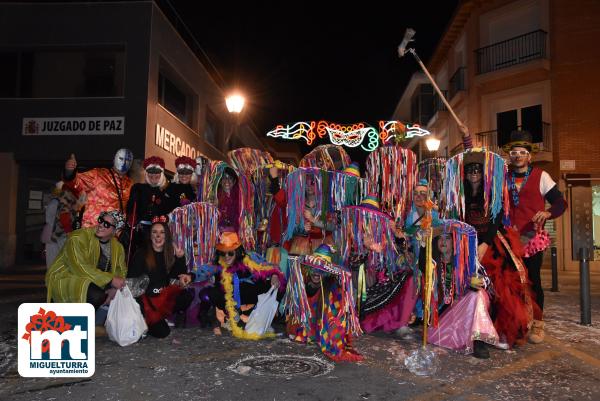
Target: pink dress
x,y
465,321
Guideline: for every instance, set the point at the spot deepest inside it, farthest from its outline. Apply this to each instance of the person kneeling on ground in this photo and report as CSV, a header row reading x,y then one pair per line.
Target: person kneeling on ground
x,y
241,279
91,265
165,266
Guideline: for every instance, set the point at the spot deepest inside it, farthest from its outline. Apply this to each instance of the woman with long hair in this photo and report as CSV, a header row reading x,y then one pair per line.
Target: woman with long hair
x,y
164,263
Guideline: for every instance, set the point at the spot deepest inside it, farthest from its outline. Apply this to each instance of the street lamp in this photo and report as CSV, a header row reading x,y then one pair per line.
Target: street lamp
x,y
235,104
433,144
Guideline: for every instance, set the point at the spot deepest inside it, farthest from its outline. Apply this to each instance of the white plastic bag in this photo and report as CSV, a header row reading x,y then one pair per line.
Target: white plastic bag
x,y
262,316
125,324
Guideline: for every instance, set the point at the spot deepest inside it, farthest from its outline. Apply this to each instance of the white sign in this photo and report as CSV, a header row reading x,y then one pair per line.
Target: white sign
x,y
56,340
173,144
567,164
74,126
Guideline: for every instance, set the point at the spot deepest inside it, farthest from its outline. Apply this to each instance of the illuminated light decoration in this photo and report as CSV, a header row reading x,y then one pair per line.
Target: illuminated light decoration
x,y
415,130
351,135
304,130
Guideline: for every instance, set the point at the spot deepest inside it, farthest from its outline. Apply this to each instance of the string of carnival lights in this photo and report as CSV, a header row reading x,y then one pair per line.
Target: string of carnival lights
x,y
349,135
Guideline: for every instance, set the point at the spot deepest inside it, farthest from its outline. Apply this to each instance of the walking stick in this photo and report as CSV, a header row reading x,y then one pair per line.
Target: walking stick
x,y
402,50
131,232
428,286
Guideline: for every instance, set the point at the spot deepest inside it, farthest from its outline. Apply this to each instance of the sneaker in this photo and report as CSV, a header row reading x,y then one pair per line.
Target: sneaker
x,y
480,350
170,323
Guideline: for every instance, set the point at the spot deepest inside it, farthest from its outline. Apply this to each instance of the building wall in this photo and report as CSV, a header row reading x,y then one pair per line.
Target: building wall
x,y
8,203
169,50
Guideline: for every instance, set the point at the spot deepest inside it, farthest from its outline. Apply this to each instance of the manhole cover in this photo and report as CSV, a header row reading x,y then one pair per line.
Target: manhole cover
x,y
282,366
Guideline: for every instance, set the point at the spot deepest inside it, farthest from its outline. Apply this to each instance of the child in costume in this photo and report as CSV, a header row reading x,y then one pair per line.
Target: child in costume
x,y
320,305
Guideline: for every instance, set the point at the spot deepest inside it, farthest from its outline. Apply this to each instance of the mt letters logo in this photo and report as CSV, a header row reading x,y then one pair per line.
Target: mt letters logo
x,y
56,340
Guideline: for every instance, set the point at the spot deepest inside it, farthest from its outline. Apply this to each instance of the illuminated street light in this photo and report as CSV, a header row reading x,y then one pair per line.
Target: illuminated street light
x,y
235,103
433,144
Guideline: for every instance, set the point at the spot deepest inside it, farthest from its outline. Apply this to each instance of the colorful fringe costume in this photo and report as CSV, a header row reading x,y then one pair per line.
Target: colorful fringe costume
x,y
512,304
392,175
327,157
248,160
327,316
466,318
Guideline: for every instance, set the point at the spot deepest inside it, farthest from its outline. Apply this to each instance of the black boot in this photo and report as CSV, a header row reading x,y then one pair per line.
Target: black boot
x,y
480,350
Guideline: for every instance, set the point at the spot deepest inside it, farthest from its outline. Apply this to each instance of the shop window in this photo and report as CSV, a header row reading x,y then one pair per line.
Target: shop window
x,y
173,98
60,73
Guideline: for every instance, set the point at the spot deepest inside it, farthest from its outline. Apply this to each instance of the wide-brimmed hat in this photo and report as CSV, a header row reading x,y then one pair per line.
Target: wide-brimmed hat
x,y
353,169
228,241
521,139
371,201
321,261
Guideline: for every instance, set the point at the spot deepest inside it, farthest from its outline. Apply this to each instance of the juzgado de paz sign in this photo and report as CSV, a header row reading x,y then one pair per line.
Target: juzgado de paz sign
x,y
74,126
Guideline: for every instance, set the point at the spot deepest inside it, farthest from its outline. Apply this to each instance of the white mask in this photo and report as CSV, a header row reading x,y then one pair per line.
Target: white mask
x,y
122,161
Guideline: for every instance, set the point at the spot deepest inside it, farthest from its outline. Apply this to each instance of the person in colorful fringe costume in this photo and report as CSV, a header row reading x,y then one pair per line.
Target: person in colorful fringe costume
x,y
392,175
180,191
422,220
386,293
309,221
91,265
530,188
461,294
228,200
241,279
194,229
147,200
320,307
475,191
327,157
105,188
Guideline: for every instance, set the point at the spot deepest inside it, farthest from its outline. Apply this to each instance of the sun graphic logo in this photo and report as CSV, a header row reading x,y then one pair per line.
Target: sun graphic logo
x,y
56,340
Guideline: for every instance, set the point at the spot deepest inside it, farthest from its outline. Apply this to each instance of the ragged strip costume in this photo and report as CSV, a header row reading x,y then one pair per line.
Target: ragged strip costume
x,y
319,305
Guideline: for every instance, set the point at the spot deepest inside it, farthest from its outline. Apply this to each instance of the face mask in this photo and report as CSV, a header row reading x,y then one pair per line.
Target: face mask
x,y
123,160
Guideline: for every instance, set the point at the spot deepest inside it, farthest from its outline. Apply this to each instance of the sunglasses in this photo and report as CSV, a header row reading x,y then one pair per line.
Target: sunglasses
x,y
229,253
184,172
474,171
516,153
105,223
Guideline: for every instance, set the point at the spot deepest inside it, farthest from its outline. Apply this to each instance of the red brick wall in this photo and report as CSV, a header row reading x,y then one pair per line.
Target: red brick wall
x,y
575,74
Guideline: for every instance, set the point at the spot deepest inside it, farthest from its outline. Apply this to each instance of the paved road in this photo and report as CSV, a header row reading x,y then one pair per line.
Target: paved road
x,y
192,364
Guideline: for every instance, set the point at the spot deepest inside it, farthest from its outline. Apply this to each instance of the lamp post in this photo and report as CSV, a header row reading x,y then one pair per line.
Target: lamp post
x,y
235,104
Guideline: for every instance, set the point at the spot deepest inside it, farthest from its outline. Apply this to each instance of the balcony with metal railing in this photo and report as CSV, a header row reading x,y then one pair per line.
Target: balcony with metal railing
x,y
490,139
517,50
457,82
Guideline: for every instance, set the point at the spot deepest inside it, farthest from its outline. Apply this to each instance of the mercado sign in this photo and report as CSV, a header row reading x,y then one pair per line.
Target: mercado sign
x,y
173,144
73,126
351,135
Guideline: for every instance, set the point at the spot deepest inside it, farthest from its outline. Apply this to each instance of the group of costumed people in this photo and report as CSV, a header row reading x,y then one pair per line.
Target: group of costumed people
x,y
345,254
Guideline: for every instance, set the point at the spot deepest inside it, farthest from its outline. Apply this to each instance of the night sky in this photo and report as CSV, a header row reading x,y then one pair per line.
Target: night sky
x,y
297,62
